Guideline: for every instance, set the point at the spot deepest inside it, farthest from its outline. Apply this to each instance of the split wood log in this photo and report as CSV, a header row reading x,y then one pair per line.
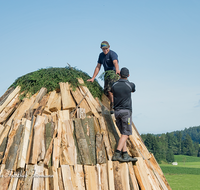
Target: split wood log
x,y
6,94
113,136
14,148
10,97
56,152
79,177
105,138
81,113
79,98
38,179
105,101
118,176
88,128
73,178
63,115
100,149
82,143
42,105
125,176
111,175
91,177
5,179
132,176
66,174
9,109
85,89
24,145
29,177
60,179
56,103
20,182
38,98
67,144
104,176
51,179
96,125
51,98
38,147
46,179
141,175
67,100
13,182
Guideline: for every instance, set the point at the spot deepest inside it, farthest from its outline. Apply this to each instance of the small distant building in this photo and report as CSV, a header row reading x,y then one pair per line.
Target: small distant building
x,y
175,163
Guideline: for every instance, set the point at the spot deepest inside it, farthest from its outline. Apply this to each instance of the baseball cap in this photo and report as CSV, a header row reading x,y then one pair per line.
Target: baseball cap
x,y
124,72
105,44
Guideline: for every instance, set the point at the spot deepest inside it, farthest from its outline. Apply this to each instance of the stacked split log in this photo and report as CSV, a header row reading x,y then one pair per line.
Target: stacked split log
x,y
65,140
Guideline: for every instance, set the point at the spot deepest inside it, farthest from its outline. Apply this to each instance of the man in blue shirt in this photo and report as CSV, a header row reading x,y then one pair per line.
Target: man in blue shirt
x,y
109,60
122,90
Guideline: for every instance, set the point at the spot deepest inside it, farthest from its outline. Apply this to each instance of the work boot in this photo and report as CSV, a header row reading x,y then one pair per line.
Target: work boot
x,y
117,156
111,108
126,158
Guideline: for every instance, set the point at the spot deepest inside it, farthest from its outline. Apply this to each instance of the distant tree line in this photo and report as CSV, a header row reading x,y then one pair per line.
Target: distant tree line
x,y
165,146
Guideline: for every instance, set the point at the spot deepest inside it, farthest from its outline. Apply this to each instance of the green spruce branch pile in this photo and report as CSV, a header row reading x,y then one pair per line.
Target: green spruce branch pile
x,y
50,78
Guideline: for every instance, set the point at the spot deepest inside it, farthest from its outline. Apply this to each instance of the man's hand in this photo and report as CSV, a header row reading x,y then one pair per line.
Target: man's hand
x,y
91,80
118,72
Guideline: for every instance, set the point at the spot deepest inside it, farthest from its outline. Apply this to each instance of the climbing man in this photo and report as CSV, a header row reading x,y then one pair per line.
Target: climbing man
x,y
109,60
122,90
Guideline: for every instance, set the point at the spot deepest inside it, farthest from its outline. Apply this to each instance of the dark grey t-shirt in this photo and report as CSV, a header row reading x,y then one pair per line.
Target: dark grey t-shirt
x,y
107,60
122,94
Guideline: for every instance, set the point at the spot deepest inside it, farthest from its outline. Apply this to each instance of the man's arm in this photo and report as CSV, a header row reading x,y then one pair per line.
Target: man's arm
x,y
115,62
96,71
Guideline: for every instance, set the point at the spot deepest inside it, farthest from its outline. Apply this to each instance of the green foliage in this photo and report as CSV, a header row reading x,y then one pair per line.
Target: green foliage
x,y
50,78
109,74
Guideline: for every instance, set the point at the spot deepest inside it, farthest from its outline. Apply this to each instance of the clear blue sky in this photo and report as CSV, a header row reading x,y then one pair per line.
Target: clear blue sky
x,y
159,41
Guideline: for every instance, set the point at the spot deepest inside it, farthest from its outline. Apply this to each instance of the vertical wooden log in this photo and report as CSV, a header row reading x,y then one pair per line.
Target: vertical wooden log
x,y
100,149
104,177
88,128
56,103
5,180
91,177
117,176
133,177
81,113
125,176
66,174
60,179
42,105
21,179
82,143
110,176
79,177
56,152
105,137
38,180
29,177
67,100
13,182
14,149
51,180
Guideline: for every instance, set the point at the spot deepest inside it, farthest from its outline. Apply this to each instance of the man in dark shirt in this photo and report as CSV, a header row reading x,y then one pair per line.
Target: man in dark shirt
x,y
109,60
123,113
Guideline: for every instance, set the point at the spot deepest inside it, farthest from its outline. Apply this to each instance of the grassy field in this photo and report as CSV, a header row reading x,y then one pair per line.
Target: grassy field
x,y
184,176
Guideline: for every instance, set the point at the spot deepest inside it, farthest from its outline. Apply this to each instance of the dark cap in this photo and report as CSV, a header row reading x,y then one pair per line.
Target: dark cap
x,y
124,72
104,44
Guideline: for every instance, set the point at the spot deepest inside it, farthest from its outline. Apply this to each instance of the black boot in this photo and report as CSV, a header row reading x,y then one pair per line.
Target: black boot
x,y
117,156
126,158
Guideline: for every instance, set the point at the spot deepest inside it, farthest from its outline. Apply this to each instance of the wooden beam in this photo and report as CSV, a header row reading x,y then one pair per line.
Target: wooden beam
x,y
42,105
38,180
91,177
132,176
110,175
117,176
79,177
66,174
125,176
51,98
56,103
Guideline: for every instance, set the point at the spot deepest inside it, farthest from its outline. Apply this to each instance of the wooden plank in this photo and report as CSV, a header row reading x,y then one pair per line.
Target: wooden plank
x,y
117,176
51,98
13,182
81,113
125,176
10,97
5,179
56,103
14,148
105,101
88,128
110,176
60,179
38,141
9,109
20,182
104,177
63,115
24,145
132,176
56,152
29,177
82,143
79,98
38,180
104,132
67,100
46,179
51,180
66,174
91,177
6,94
79,177
42,105
100,149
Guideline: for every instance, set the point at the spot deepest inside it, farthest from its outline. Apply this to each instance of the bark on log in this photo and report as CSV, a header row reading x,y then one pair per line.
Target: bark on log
x,y
117,176
100,149
67,100
88,128
82,143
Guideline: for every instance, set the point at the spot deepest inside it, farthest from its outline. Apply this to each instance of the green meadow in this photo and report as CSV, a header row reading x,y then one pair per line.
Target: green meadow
x,y
184,176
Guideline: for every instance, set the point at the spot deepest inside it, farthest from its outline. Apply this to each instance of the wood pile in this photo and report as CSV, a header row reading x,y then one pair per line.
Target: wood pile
x,y
64,140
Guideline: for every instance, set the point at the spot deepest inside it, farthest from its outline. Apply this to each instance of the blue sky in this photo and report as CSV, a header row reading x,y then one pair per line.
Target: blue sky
x,y
159,41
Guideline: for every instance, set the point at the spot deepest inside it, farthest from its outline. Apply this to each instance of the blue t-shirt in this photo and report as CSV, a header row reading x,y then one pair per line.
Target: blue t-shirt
x,y
107,60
